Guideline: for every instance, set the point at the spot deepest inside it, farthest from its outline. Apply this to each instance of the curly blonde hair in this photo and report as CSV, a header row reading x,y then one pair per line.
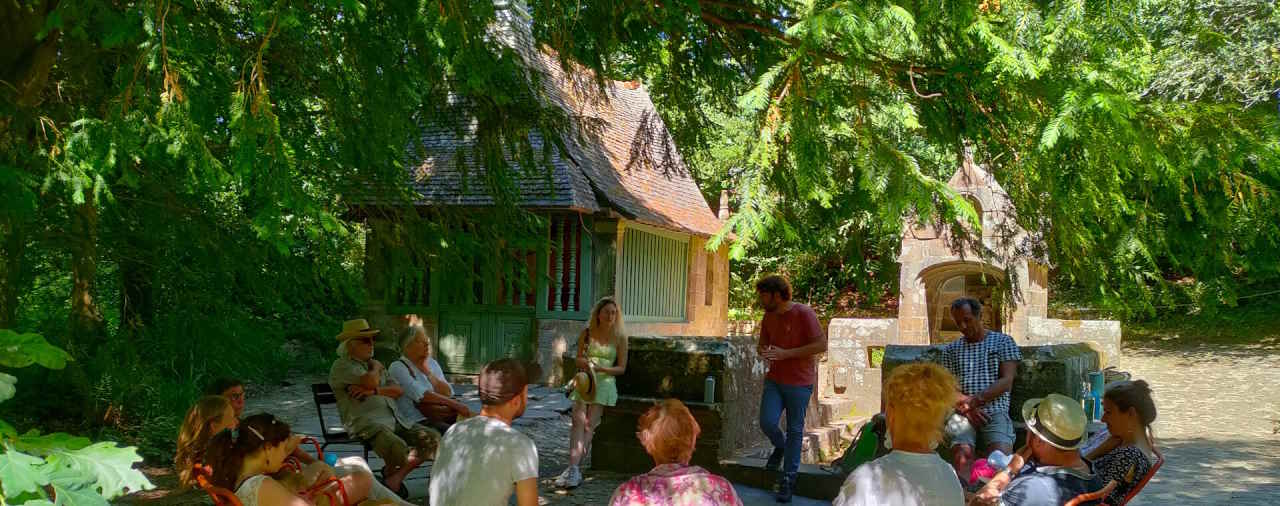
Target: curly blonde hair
x,y
197,430
921,396
594,323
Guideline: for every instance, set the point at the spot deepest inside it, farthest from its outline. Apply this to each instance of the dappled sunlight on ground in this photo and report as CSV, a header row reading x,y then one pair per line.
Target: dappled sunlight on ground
x,y
1216,426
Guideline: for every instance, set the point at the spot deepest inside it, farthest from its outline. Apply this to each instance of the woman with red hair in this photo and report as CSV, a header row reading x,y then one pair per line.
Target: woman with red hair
x,y
669,433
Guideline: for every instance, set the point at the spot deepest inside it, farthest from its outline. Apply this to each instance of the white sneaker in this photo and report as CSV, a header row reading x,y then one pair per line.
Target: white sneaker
x,y
562,481
574,479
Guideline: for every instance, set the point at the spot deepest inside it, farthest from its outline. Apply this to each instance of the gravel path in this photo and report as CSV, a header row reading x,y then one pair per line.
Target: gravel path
x,y
1219,409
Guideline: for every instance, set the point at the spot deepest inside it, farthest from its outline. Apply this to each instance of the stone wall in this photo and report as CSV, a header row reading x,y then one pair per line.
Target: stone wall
x,y
1058,368
677,367
1103,334
555,339
847,371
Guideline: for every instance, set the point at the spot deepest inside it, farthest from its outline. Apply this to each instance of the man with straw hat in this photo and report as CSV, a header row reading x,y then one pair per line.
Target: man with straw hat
x,y
366,402
1056,473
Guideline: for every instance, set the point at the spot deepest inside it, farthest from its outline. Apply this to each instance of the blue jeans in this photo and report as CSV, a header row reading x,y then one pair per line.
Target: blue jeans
x,y
794,399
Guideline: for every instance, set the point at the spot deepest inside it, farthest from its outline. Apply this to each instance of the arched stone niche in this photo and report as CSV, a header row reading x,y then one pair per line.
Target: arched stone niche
x,y
946,282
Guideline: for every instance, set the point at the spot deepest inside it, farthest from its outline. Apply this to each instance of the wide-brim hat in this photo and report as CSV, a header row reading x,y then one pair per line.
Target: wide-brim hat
x,y
585,384
1056,419
352,329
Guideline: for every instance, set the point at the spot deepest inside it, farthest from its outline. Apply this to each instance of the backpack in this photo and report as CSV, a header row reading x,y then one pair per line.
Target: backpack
x,y
866,446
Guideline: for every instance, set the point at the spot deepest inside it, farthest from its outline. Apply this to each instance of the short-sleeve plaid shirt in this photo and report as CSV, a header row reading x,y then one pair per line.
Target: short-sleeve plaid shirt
x,y
977,365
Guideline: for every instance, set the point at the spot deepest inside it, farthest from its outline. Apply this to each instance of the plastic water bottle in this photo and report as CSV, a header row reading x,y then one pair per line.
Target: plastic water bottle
x,y
331,459
709,390
998,460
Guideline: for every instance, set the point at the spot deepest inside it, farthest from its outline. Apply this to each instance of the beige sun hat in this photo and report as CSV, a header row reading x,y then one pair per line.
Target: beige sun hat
x,y
356,328
585,384
1056,419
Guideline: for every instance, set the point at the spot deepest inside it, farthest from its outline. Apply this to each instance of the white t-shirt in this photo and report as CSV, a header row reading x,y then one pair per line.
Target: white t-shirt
x,y
479,462
415,385
902,479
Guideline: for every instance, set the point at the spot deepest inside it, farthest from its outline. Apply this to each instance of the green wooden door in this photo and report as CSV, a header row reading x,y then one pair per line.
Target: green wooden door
x,y
488,318
473,336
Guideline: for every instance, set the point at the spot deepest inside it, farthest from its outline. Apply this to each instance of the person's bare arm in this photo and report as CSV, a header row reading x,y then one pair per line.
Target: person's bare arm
x,y
762,341
273,493
1008,369
373,378
432,398
392,391
992,490
527,492
819,345
439,385
583,362
620,366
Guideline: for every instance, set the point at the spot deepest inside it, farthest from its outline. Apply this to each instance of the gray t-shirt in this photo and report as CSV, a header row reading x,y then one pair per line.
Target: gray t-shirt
x,y
902,479
479,462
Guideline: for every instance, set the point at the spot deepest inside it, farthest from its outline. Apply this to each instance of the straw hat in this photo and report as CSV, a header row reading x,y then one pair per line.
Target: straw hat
x,y
352,329
1056,419
585,384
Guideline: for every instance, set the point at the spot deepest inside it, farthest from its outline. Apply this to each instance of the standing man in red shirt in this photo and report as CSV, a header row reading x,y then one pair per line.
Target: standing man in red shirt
x,y
790,339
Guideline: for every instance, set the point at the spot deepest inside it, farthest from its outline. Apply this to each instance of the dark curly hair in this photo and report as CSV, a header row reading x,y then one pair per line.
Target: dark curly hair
x,y
774,284
228,449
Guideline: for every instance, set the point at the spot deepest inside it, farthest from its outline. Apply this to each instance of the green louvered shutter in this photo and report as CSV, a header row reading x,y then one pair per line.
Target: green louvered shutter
x,y
654,276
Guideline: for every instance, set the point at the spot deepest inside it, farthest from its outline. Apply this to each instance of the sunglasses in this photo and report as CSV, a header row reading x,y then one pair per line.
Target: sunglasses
x,y
365,340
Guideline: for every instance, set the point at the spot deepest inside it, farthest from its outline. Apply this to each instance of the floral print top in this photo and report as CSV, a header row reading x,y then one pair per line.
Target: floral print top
x,y
676,485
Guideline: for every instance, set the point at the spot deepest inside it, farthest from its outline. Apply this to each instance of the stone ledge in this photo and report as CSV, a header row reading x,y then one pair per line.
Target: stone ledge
x,y
811,481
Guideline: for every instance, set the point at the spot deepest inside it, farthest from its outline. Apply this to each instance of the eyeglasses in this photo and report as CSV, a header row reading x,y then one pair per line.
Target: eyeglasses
x,y
365,340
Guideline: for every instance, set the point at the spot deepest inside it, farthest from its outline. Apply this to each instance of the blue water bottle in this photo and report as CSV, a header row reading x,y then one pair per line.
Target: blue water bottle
x,y
331,459
1096,388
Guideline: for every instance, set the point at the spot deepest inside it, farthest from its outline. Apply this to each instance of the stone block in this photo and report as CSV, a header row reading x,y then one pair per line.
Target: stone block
x,y
1104,335
555,339
1044,369
615,447
846,374
677,367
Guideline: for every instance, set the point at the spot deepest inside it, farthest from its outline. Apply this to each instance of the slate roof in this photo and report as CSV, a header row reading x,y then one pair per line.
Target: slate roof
x,y
618,153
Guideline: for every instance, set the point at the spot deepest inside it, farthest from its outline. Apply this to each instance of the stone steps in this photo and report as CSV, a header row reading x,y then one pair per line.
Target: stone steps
x,y
836,409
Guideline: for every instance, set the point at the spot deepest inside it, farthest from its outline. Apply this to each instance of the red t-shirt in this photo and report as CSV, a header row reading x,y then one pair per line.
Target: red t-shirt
x,y
795,328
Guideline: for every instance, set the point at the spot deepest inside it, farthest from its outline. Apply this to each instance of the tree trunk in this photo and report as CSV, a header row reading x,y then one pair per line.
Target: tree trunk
x,y
14,248
137,301
88,329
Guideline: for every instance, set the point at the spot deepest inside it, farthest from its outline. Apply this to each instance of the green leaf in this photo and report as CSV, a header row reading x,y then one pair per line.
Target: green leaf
x,y
19,473
8,386
7,430
67,494
32,442
108,467
22,350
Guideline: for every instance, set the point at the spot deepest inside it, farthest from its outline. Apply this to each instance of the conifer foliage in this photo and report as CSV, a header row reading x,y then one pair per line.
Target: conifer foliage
x,y
1139,138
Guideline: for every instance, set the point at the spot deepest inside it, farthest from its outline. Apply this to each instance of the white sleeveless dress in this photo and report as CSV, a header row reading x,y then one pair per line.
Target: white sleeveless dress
x,y
248,490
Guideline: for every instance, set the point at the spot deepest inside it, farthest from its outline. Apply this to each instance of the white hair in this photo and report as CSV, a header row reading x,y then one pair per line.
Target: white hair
x,y
342,349
410,334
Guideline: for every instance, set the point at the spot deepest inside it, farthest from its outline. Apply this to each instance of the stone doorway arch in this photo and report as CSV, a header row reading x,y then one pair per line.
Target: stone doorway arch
x,y
946,282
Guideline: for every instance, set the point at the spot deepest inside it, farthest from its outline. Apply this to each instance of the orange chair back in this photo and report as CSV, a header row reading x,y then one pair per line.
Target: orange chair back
x,y
220,496
1093,496
1145,478
332,488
